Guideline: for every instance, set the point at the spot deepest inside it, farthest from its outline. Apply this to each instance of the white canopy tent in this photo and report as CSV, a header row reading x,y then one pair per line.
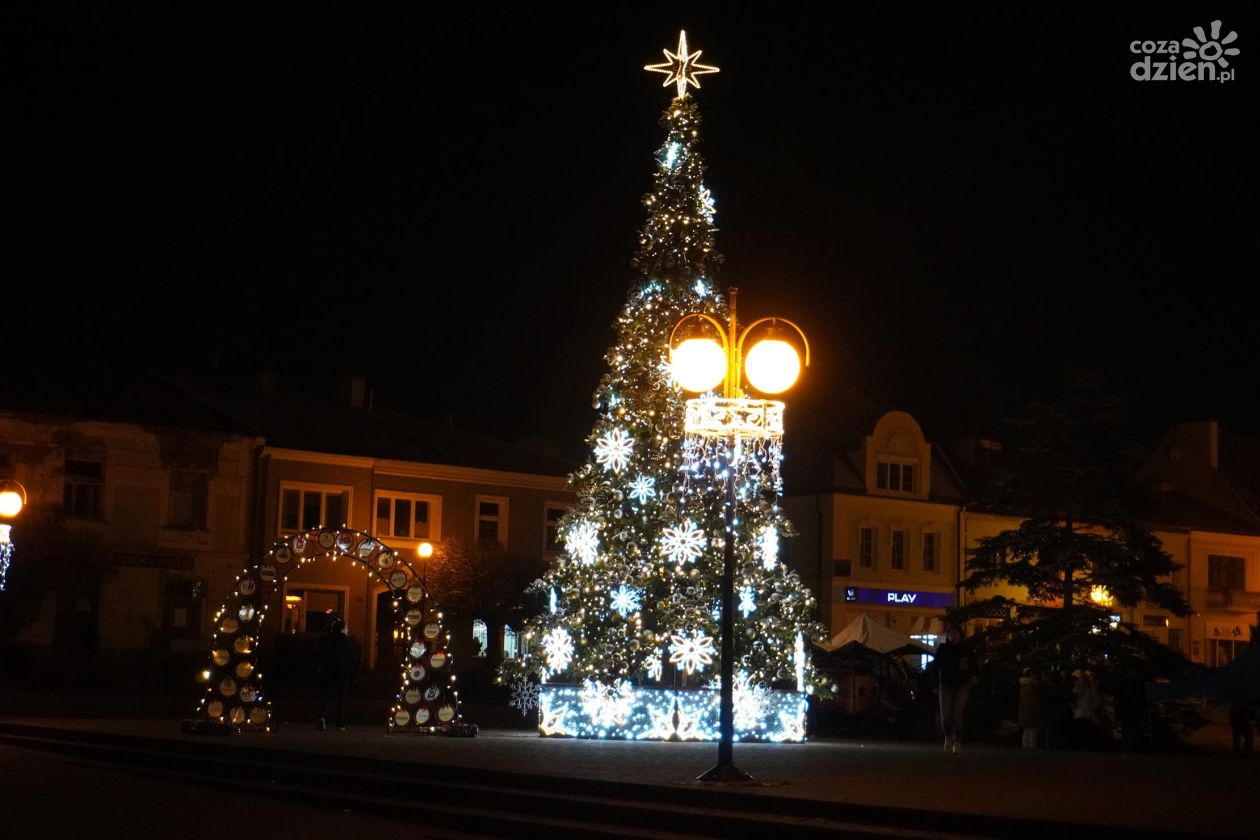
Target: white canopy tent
x,y
875,636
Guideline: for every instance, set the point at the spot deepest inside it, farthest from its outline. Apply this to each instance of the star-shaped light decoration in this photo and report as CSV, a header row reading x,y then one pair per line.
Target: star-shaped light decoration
x,y
642,489
681,68
625,600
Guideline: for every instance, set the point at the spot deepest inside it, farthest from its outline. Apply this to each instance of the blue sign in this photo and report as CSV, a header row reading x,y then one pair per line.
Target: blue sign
x,y
898,597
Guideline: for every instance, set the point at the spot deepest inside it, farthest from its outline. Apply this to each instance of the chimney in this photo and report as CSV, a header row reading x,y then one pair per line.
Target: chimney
x,y
355,392
268,383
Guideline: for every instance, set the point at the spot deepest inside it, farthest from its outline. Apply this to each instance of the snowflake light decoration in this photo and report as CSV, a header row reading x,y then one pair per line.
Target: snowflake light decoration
x,y
706,206
642,489
524,696
691,652
683,544
582,542
558,646
625,600
652,664
769,548
750,701
607,705
747,601
613,450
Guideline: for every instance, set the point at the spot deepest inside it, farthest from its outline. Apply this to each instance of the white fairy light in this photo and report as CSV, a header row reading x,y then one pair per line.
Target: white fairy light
x,y
692,651
607,705
613,450
684,543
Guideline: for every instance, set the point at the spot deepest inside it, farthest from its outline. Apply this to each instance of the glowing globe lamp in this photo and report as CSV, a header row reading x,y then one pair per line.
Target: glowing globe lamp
x,y
698,364
425,549
772,366
11,502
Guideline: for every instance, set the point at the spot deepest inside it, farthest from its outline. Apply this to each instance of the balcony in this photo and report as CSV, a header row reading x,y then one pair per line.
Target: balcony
x,y
1235,598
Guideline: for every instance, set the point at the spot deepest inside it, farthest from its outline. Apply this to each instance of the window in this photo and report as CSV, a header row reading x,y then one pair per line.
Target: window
x,y
1154,621
899,550
553,540
842,568
189,493
184,599
481,637
1221,652
85,484
1225,572
930,549
928,639
511,643
492,519
866,548
303,508
890,475
408,515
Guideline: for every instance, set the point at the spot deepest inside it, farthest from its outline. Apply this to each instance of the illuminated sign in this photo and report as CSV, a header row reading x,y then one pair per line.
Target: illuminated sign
x,y
898,597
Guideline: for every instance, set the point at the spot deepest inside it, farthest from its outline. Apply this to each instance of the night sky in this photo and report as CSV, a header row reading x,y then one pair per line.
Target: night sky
x,y
954,203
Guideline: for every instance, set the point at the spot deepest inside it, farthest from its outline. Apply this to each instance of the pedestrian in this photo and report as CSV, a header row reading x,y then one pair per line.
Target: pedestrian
x,y
1242,718
337,663
956,671
1032,711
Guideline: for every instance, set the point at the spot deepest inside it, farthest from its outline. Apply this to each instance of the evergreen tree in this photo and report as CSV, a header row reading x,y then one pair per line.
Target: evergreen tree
x,y
1081,547
639,582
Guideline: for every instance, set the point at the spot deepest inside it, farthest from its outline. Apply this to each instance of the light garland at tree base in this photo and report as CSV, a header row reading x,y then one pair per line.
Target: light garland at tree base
x,y
643,713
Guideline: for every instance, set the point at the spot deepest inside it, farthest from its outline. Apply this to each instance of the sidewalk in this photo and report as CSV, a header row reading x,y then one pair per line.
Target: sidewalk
x,y
1183,793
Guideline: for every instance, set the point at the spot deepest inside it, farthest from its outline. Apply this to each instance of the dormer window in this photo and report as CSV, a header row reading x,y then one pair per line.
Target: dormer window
x,y
894,475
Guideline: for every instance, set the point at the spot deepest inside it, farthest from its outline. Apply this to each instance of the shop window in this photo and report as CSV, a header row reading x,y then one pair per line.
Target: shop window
x,y
511,643
184,604
481,637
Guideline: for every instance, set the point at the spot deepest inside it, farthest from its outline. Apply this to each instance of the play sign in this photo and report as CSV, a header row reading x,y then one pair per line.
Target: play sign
x,y
898,597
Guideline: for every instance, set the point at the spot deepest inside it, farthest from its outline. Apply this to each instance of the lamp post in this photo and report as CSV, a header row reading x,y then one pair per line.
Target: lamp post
x,y
700,363
12,500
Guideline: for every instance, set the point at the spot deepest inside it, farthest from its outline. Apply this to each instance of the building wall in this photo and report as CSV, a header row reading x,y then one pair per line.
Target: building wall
x,y
123,599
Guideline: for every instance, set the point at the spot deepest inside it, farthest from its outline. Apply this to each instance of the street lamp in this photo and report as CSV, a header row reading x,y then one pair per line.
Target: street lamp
x,y
700,363
12,500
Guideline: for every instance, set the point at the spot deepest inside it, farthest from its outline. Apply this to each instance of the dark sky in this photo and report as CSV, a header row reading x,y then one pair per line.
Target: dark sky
x,y
954,202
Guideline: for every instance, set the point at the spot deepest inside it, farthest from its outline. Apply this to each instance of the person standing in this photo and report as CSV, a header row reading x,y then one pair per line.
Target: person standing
x,y
956,671
337,663
1031,709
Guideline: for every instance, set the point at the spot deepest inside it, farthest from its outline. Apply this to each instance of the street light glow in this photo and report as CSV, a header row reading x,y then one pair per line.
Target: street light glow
x,y
698,364
10,503
425,550
772,366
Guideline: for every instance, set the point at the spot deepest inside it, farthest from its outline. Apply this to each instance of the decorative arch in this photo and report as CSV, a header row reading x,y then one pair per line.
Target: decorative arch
x,y
234,698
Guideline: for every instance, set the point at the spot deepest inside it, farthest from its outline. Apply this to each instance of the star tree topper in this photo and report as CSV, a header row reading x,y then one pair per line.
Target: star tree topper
x,y
681,67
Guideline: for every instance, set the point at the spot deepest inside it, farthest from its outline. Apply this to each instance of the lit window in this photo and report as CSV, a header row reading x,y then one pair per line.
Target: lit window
x,y
481,637
511,643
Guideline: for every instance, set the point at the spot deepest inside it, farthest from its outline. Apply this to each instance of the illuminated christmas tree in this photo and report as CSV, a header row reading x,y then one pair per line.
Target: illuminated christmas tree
x,y
633,603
